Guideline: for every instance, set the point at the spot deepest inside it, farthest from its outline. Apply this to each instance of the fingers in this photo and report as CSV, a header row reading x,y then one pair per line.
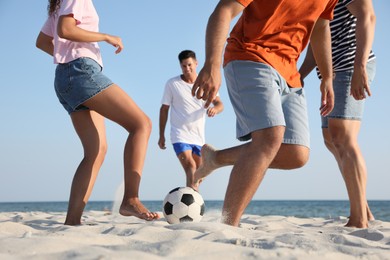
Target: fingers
x,y
327,104
119,49
161,144
118,46
211,112
368,90
201,92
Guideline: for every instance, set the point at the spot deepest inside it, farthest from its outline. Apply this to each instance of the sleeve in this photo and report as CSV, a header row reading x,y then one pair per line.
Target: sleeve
x,y
74,7
245,3
328,12
48,27
167,96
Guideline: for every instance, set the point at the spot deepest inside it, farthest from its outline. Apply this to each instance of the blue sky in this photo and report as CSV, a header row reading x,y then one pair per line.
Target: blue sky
x,y
40,150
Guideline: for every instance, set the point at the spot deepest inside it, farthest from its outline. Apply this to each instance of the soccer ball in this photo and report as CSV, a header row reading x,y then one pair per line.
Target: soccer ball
x,y
183,204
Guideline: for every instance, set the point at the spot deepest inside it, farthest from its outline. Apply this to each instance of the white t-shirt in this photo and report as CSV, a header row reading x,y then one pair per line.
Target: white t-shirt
x,y
87,18
187,113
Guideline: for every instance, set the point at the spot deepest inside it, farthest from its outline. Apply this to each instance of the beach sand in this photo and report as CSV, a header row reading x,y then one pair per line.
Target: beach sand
x,y
40,235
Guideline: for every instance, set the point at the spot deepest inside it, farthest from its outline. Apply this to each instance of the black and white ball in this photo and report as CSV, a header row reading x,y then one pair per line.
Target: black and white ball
x,y
183,204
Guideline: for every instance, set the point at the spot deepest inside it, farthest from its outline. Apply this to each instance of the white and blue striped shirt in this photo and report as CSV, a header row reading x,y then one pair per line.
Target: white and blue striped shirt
x,y
343,29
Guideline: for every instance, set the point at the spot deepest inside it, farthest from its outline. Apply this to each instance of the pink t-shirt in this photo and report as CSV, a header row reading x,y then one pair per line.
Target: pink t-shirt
x,y
87,18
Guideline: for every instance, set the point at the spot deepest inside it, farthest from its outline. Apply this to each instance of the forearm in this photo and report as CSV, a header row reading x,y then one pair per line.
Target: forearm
x,y
308,63
162,122
45,43
320,42
217,31
365,27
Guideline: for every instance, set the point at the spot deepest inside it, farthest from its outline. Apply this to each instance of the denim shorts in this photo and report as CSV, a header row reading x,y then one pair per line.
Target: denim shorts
x,y
77,81
181,147
261,99
345,105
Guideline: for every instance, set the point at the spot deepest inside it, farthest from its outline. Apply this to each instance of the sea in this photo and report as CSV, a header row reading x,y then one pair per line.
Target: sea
x,y
327,209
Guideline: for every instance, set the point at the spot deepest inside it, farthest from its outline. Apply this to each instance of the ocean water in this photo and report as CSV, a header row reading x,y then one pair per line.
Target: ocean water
x,y
296,208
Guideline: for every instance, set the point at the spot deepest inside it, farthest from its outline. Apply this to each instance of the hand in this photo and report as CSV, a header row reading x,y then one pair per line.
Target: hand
x,y
359,84
211,112
327,96
207,85
116,42
161,143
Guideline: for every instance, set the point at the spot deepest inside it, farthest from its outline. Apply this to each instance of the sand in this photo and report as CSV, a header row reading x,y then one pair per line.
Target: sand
x,y
40,235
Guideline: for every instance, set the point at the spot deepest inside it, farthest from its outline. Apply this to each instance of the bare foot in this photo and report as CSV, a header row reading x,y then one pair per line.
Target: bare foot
x,y
357,224
208,165
370,216
134,207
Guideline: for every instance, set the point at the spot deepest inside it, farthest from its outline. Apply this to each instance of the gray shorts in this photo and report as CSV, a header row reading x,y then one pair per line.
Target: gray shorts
x,y
345,105
262,99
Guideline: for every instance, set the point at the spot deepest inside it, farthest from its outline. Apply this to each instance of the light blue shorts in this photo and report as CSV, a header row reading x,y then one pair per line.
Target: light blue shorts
x,y
345,105
181,147
77,81
262,99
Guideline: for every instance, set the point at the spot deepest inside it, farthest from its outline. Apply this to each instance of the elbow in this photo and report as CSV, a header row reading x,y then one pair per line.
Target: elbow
x,y
63,32
40,43
372,18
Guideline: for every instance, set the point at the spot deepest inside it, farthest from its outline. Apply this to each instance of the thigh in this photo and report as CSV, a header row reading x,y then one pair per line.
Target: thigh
x,y
345,105
90,128
296,116
186,159
343,130
254,92
114,104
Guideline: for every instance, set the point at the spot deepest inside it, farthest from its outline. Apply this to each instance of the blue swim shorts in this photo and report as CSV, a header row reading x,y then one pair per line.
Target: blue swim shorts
x,y
181,147
261,99
345,105
77,81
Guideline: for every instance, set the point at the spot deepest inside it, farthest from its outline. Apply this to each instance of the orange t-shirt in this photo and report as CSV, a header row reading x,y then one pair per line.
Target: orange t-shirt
x,y
275,32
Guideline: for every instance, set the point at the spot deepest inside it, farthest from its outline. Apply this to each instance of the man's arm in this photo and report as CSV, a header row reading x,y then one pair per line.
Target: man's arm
x,y
216,108
308,64
208,81
322,51
363,10
162,124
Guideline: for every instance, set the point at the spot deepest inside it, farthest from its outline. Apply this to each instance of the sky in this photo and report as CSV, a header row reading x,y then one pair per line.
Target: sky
x,y
40,149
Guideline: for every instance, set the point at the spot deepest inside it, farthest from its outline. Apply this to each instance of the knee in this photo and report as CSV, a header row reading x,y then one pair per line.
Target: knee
x,y
97,153
142,126
328,143
146,125
301,157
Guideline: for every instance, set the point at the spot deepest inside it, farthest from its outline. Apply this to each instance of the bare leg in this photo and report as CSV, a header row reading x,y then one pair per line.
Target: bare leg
x,y
214,159
248,172
332,149
189,163
114,104
90,128
341,140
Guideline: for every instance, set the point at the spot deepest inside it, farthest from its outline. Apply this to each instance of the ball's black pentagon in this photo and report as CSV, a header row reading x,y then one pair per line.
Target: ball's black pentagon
x,y
187,199
168,208
186,219
175,189
202,209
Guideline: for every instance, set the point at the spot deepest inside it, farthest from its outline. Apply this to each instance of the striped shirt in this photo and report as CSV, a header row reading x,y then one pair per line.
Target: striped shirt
x,y
343,28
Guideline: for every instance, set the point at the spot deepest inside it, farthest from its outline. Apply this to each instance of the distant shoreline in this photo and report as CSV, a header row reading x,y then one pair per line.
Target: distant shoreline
x,y
297,208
